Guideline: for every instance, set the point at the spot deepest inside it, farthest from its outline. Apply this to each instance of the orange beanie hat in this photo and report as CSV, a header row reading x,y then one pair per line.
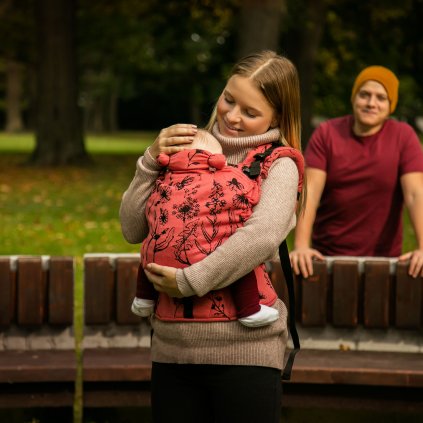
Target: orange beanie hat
x,y
382,75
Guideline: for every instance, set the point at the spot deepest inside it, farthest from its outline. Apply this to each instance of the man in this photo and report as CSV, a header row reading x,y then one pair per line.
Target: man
x,y
361,168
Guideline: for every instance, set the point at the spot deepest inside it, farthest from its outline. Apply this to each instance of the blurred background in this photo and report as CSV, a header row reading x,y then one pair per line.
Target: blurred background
x,y
86,85
143,65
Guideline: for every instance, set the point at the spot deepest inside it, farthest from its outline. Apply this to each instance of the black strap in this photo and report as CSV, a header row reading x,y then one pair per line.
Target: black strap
x,y
289,279
254,169
188,307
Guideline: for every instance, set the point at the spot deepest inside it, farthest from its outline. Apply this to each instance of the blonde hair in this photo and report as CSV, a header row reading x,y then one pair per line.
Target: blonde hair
x,y
276,78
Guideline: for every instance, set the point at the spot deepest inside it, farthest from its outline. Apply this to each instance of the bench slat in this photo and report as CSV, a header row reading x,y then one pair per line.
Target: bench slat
x,y
45,395
311,367
99,290
126,274
32,295
358,368
408,299
8,292
61,276
345,293
278,281
117,364
37,366
314,296
112,394
377,289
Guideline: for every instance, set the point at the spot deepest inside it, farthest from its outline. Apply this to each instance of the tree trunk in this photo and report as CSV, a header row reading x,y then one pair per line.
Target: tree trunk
x,y
59,138
309,42
259,25
14,79
113,110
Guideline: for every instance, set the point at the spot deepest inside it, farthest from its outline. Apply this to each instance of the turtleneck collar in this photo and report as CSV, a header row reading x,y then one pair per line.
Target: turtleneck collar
x,y
236,148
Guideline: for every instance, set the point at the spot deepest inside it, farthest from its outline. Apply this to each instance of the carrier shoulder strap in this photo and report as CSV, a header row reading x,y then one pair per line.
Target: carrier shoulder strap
x,y
289,279
253,171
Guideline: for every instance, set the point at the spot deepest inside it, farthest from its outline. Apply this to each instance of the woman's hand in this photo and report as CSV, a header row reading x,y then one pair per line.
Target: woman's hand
x,y
416,262
173,139
302,260
164,279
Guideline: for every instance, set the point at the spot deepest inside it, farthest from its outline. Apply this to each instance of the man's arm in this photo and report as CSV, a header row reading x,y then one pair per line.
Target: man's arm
x,y
302,255
412,188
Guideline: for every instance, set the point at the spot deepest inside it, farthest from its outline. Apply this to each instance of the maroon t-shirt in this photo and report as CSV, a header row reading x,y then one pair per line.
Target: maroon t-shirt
x,y
360,211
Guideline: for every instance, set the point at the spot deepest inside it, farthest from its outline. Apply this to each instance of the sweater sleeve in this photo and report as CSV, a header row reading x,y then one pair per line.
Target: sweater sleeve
x,y
132,209
254,243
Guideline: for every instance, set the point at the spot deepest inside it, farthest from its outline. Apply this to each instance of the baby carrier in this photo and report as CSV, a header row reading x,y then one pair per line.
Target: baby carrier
x,y
195,241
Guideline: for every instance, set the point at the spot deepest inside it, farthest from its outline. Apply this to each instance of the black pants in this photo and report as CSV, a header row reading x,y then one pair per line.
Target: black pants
x,y
190,393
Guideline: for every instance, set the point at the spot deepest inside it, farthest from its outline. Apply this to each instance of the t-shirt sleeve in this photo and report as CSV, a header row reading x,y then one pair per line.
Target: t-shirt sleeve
x,y
316,154
411,156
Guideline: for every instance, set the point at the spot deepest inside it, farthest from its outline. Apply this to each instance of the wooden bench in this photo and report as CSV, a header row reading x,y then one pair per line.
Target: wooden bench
x,y
117,365
361,302
37,356
360,323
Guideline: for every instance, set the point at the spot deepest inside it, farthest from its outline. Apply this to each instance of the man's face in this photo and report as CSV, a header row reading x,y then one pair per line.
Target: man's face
x,y
371,106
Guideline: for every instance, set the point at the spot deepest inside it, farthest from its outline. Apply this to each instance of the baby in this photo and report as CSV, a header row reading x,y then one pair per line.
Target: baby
x,y
176,186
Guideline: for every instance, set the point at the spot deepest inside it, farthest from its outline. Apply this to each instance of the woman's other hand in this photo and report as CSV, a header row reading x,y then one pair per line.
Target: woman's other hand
x,y
163,278
173,139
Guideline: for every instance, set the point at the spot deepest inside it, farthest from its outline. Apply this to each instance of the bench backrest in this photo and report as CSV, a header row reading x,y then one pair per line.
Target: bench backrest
x,y
347,292
36,303
343,292
370,293
36,291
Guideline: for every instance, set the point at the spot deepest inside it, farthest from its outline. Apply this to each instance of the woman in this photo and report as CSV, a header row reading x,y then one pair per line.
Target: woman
x,y
221,370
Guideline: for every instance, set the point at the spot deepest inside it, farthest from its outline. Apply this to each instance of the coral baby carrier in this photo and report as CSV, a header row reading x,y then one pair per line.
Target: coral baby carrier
x,y
191,214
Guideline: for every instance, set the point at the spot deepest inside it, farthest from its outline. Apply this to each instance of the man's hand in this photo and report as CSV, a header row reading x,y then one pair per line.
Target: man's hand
x,y
416,262
302,260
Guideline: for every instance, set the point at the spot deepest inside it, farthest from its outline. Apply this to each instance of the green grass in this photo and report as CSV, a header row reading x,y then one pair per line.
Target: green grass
x,y
66,210
119,143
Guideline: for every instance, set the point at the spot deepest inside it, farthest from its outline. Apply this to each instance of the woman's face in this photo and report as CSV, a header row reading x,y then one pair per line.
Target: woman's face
x,y
242,110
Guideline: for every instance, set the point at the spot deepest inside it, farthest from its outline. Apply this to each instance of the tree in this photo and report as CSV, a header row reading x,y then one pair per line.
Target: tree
x,y
259,25
303,42
15,52
360,34
59,138
14,78
159,72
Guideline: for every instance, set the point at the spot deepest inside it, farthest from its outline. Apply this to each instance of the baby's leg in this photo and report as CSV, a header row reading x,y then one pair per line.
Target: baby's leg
x,y
247,303
146,295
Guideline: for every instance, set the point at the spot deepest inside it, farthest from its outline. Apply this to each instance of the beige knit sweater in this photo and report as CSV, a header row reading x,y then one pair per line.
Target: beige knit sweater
x,y
254,243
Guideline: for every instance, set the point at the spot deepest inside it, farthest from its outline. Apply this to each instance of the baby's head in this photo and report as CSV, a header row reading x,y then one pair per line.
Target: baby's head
x,y
204,140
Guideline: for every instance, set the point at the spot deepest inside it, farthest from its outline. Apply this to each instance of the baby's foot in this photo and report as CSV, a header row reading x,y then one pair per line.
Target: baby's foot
x,y
142,308
263,317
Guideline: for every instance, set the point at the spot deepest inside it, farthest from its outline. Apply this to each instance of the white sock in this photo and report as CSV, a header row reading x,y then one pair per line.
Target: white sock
x,y
263,317
142,307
